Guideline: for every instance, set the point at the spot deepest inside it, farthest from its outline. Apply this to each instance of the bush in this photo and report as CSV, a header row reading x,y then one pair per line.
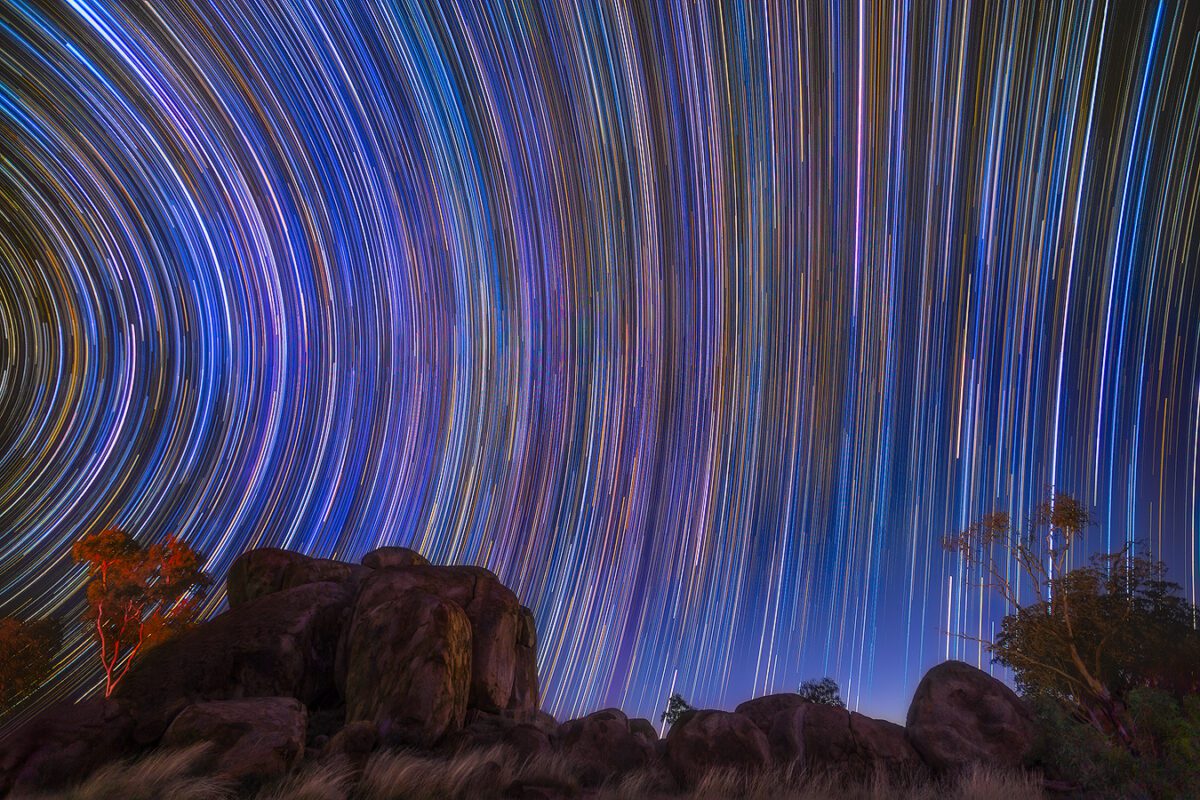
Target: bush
x,y
27,650
1077,754
824,692
1165,764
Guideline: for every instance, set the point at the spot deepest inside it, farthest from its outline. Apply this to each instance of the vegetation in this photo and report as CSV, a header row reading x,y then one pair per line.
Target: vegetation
x,y
825,691
676,707
1077,755
484,774
1108,654
137,595
177,774
27,649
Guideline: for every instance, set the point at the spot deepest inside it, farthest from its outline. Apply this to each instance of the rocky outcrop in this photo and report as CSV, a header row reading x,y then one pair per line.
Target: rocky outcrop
x,y
406,645
257,573
397,648
703,740
386,557
763,710
603,745
827,738
525,694
644,730
253,740
883,743
355,743
496,622
318,658
409,668
64,745
961,715
279,645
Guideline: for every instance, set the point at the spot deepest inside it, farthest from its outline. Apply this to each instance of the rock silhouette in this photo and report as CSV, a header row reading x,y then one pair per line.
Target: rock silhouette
x,y
603,745
960,715
703,740
318,658
409,668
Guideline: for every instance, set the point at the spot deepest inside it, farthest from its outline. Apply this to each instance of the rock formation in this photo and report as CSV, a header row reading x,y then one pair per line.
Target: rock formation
x,y
401,650
253,740
961,715
704,740
317,658
603,745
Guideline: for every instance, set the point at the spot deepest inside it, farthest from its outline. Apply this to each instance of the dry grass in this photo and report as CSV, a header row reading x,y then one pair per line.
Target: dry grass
x,y
164,773
327,780
984,784
794,783
407,775
483,774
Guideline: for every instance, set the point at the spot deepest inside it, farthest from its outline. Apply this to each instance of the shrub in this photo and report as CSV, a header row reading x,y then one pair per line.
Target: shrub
x,y
27,651
825,692
1165,761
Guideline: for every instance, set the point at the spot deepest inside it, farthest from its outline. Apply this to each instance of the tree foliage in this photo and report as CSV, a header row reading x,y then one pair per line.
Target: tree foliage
x,y
137,595
824,691
1120,618
27,649
1089,636
676,707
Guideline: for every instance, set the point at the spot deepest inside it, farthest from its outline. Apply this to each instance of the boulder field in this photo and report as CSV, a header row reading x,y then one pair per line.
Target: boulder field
x,y
318,658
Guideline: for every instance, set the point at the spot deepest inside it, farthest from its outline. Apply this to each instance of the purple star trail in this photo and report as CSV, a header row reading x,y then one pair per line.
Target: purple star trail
x,y
699,324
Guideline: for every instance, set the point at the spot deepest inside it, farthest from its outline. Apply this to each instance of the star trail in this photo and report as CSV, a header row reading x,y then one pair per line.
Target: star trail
x,y
698,323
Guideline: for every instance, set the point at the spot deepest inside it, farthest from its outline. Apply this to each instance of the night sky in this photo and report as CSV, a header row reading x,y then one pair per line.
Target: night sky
x,y
698,324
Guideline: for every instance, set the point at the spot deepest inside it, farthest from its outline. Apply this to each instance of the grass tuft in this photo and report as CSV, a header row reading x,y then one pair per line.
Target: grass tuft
x,y
163,773
326,780
486,773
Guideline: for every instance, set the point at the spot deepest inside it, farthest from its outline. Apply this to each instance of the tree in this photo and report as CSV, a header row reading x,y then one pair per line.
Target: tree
x,y
27,651
825,692
1086,637
137,595
676,707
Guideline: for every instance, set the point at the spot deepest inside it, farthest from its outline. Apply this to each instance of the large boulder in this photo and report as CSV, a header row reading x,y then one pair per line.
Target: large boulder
x,y
63,745
961,715
602,745
883,743
827,738
253,740
763,710
525,695
279,645
387,557
497,657
355,743
644,729
483,731
409,667
257,573
704,740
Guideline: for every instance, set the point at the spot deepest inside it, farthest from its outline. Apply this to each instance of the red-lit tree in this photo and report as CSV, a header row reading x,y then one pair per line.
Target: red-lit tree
x,y
137,595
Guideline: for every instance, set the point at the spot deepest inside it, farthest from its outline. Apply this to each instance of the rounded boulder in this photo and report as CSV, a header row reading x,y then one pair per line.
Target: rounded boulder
x,y
700,741
960,715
